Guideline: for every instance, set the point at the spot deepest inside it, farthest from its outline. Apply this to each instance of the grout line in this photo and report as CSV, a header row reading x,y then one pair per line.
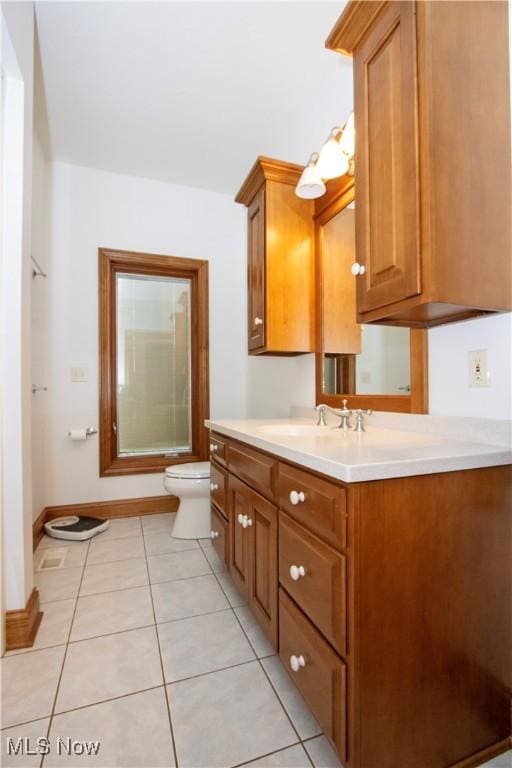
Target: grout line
x,y
267,754
173,742
212,672
106,701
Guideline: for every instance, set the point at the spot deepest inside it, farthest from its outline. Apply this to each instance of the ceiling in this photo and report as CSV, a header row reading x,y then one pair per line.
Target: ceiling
x,y
188,92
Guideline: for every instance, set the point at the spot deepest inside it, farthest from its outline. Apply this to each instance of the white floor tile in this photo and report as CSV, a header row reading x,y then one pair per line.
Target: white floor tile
x,y
114,550
30,731
227,717
257,637
108,667
133,731
296,707
108,577
162,542
502,761
217,565
76,554
203,644
231,592
29,683
121,528
49,541
189,597
177,565
162,522
292,757
58,585
112,612
321,753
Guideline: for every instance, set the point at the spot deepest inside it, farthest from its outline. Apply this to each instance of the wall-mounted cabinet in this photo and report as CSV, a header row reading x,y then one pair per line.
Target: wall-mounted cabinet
x,y
433,186
280,260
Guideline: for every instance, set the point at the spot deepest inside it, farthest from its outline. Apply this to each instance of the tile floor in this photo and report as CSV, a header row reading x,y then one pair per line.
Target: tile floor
x,y
146,647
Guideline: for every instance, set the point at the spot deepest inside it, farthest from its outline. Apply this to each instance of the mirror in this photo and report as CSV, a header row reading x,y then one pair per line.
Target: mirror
x,y
373,365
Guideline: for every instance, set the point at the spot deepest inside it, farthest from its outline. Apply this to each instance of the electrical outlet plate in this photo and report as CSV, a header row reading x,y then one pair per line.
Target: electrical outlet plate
x,y
478,370
79,375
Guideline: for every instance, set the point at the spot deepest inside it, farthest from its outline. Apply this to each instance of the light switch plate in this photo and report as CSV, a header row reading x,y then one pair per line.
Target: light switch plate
x,y
478,371
79,375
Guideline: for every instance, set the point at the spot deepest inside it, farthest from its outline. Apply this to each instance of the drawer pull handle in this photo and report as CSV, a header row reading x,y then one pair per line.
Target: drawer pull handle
x,y
258,321
247,522
214,487
296,571
296,662
296,497
214,534
214,447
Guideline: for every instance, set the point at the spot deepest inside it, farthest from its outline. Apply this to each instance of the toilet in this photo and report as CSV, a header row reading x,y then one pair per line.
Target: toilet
x,y
191,484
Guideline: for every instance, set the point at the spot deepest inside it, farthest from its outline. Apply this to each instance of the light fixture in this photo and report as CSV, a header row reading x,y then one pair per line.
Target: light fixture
x,y
310,184
332,161
348,138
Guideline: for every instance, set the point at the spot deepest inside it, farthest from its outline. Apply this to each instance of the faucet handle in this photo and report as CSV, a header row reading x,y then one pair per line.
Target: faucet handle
x,y
360,414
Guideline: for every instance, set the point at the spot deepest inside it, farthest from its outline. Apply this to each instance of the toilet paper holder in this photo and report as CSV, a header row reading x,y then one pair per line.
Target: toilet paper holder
x,y
88,432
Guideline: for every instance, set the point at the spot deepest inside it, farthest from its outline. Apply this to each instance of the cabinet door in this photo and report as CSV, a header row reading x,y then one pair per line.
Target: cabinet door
x,y
240,497
256,272
387,210
264,578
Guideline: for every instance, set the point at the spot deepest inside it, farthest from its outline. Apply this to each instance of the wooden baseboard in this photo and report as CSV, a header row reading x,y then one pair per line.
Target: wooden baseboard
x,y
21,626
149,505
485,754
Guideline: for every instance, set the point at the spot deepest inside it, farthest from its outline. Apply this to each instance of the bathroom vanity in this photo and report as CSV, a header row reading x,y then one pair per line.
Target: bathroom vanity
x,y
379,567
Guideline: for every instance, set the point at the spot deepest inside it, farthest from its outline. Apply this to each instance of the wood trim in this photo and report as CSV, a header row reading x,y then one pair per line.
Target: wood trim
x,y
341,194
145,505
356,18
109,263
21,626
485,754
267,169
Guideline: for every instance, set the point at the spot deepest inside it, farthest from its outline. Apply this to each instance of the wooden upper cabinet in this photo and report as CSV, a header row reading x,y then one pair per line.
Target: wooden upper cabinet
x,y
280,260
433,186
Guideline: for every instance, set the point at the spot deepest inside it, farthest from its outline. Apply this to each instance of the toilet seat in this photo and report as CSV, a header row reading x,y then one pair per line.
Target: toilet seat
x,y
197,470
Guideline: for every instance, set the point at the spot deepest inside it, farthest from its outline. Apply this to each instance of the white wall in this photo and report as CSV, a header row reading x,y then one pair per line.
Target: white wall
x,y
17,63
89,209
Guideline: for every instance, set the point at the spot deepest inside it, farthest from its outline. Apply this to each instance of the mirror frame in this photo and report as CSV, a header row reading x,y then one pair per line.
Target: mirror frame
x,y
341,192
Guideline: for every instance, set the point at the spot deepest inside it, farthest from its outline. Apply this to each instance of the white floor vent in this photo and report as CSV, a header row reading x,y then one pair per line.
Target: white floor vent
x,y
52,558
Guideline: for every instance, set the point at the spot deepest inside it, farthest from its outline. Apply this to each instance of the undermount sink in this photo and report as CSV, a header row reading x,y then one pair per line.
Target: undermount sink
x,y
294,430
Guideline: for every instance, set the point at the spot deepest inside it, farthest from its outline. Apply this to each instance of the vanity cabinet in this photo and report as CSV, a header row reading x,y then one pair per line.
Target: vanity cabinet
x,y
433,213
280,260
388,602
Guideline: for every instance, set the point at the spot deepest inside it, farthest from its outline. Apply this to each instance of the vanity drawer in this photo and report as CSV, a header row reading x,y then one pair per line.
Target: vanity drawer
x,y
258,470
218,446
218,485
318,504
320,588
322,678
219,534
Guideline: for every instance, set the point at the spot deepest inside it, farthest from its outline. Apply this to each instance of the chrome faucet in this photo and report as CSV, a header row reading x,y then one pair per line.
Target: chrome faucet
x,y
343,415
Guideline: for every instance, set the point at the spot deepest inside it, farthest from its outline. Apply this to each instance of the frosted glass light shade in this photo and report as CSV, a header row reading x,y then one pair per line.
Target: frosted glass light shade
x,y
348,138
310,184
332,161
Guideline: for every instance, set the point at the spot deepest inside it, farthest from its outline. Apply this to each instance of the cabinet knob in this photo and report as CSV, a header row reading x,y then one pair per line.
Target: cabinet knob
x,y
214,447
296,497
296,662
258,321
214,534
296,571
240,519
247,522
214,487
358,269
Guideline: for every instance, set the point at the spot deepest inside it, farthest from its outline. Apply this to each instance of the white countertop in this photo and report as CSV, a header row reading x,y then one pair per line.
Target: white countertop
x,y
354,457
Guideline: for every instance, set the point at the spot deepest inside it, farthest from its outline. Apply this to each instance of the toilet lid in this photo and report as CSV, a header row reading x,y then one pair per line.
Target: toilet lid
x,y
193,471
